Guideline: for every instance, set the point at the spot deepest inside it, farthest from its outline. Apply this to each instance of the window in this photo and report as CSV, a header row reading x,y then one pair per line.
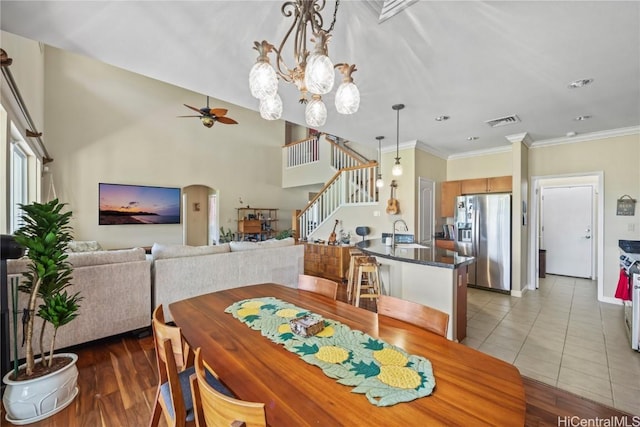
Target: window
x,y
19,184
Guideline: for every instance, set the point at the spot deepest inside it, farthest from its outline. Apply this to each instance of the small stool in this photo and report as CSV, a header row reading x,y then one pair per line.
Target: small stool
x,y
354,262
368,272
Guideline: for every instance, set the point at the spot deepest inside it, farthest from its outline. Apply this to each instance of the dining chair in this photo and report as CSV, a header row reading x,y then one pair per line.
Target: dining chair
x,y
427,318
319,285
174,359
214,409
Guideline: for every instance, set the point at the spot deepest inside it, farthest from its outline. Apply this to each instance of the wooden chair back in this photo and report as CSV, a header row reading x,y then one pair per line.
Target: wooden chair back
x,y
319,285
173,356
214,409
427,318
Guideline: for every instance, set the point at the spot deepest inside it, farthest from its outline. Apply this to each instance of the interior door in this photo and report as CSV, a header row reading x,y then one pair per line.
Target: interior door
x,y
567,230
425,213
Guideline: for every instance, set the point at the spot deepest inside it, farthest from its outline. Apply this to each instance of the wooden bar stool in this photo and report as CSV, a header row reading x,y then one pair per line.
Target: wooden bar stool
x,y
352,276
367,272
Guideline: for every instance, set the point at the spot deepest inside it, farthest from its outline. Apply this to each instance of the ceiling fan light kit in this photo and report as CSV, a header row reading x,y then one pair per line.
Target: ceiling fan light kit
x,y
209,116
312,74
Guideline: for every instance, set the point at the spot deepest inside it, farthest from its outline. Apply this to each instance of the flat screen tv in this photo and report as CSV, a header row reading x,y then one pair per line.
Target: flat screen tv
x,y
138,204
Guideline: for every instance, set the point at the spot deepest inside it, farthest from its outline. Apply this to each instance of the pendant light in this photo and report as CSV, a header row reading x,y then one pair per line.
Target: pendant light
x,y
397,167
379,181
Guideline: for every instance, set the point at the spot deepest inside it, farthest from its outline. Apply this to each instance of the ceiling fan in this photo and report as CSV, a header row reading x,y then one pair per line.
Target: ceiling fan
x,y
208,116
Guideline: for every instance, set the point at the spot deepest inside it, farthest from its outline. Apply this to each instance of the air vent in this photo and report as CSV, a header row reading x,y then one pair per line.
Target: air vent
x,y
393,7
503,121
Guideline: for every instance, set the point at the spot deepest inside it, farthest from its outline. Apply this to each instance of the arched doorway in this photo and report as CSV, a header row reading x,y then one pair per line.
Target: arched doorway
x,y
200,213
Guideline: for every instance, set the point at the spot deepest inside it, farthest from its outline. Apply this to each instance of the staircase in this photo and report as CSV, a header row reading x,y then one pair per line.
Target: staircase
x,y
352,184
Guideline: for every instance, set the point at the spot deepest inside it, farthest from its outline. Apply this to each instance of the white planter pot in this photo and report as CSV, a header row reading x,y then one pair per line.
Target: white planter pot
x,y
33,400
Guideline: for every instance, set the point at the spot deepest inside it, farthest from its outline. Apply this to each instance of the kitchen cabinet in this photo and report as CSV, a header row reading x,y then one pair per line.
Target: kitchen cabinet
x,y
328,261
449,190
496,184
499,184
257,223
446,244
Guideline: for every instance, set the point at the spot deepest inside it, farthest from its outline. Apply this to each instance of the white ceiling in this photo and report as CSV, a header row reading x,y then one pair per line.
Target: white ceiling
x,y
473,61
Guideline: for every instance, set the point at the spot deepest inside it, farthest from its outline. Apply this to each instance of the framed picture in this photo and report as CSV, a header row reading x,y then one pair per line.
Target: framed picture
x,y
137,204
626,206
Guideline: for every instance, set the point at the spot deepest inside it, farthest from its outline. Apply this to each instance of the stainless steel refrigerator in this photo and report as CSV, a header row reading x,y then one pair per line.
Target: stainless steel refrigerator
x,y
483,230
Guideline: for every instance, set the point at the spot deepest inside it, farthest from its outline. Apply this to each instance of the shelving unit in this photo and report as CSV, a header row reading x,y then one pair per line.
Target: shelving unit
x,y
257,223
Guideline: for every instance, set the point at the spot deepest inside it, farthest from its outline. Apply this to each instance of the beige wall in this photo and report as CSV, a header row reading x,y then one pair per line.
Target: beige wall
x,y
480,166
618,159
108,125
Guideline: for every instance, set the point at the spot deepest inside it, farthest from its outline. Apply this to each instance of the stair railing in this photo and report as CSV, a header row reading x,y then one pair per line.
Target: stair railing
x,y
354,185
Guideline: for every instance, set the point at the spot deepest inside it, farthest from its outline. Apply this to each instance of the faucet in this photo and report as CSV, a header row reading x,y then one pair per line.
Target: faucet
x,y
393,234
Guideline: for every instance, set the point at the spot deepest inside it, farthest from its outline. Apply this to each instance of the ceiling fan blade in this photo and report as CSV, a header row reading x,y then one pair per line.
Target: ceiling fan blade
x,y
226,120
188,116
193,108
218,112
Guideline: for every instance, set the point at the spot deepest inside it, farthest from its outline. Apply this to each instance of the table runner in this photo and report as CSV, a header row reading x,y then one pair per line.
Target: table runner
x,y
384,373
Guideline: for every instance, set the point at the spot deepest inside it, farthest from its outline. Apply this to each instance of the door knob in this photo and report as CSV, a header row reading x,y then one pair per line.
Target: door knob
x,y
587,237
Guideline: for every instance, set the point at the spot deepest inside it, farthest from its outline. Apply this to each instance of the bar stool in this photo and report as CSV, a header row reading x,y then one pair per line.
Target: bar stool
x,y
352,277
369,273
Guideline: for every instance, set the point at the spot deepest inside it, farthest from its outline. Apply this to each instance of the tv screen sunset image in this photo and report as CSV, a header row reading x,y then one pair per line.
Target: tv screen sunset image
x,y
138,204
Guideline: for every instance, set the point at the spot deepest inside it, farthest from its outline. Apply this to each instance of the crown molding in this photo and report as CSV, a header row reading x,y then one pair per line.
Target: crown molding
x,y
522,138
632,130
476,153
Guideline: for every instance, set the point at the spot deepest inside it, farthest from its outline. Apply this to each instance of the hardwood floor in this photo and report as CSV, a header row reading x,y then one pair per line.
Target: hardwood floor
x,y
117,381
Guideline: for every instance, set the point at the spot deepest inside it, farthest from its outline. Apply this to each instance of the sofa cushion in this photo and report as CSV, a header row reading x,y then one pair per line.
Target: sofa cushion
x,y
83,259
160,251
84,246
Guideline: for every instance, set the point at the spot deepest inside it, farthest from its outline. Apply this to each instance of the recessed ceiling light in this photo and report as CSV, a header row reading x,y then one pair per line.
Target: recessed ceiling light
x,y
581,118
442,118
570,134
580,83
472,138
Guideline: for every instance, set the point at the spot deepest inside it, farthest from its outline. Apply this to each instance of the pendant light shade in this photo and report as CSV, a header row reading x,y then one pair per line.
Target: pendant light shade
x,y
397,167
271,107
263,81
316,112
318,74
379,180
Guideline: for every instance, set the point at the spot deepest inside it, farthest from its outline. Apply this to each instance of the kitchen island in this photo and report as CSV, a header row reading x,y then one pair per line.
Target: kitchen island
x,y
427,275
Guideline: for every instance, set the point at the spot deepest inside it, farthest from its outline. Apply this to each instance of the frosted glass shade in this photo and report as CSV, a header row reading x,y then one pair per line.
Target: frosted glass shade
x,y
379,182
347,98
271,107
396,170
316,113
319,74
263,81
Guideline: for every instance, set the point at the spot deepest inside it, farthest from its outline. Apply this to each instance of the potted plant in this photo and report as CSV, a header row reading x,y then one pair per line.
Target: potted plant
x,y
45,234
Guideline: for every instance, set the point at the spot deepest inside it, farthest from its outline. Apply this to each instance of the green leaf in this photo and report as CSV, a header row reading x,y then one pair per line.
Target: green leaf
x,y
373,344
365,369
306,349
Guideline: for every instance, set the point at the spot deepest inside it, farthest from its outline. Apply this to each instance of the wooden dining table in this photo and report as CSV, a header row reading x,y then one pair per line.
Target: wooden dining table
x,y
472,388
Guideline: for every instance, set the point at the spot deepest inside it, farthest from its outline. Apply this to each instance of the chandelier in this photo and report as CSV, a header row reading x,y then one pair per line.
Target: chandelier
x,y
313,72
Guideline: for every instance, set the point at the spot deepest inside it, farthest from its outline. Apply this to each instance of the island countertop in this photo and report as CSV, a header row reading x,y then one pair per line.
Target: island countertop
x,y
431,255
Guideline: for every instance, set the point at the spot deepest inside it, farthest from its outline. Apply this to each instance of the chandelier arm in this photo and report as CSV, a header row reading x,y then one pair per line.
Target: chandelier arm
x,y
314,15
280,64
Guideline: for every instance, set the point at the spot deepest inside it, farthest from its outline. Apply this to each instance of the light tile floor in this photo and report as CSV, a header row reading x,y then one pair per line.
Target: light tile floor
x,y
561,335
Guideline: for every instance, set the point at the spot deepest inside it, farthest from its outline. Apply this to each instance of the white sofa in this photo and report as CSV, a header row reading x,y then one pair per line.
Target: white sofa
x,y
181,272
116,292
